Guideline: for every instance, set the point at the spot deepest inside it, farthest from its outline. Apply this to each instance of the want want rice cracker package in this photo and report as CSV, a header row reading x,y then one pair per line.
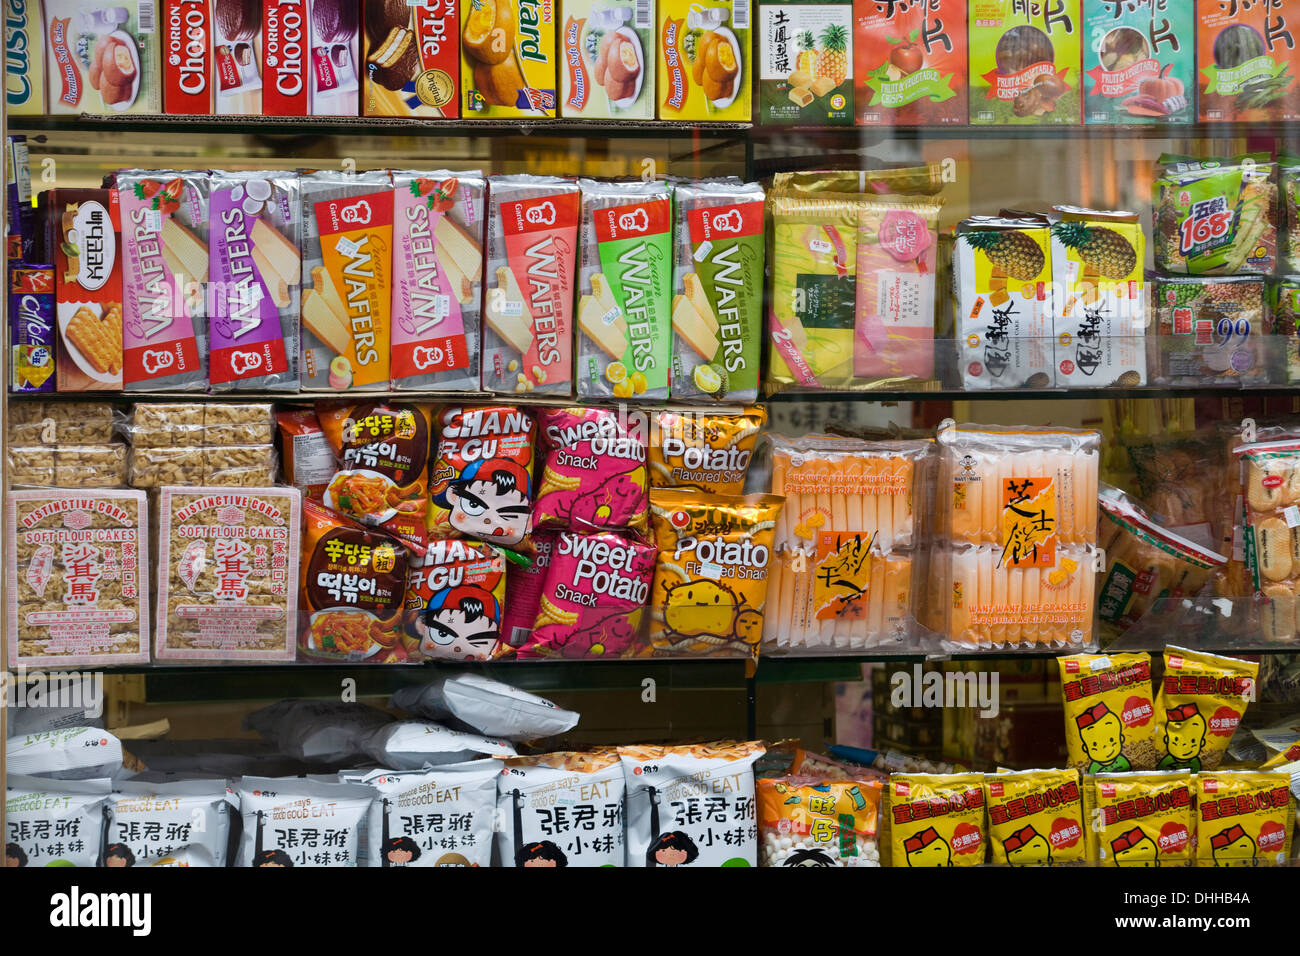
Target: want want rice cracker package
x,y
180,823
692,805
296,821
561,809
432,817
53,822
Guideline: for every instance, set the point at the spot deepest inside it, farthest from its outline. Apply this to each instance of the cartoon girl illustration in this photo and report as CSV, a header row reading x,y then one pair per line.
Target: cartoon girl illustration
x,y
808,858
673,848
401,851
118,854
490,501
14,855
463,621
272,858
541,853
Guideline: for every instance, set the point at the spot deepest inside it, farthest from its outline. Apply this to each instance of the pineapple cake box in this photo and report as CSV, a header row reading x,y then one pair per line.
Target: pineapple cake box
x,y
805,50
1025,59
910,63
705,71
607,59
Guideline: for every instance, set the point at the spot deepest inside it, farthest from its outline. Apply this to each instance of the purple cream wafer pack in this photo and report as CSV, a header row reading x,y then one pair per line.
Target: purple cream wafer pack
x,y
31,328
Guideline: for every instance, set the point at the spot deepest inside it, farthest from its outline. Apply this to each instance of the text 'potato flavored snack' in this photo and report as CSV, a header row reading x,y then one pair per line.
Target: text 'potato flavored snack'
x,y
1244,818
1035,817
1139,819
595,478
703,451
937,819
1201,701
1109,716
482,480
461,586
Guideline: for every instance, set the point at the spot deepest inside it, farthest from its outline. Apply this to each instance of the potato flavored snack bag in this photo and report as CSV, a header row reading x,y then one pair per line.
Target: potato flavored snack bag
x,y
438,816
692,805
1035,817
595,476
481,482
702,451
178,823
461,586
524,585
595,592
297,821
55,822
1201,701
1109,716
1244,818
383,450
826,823
561,809
710,584
937,819
1139,819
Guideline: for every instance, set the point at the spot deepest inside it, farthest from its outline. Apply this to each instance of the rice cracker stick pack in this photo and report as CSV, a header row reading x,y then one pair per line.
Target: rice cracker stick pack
x,y
1201,701
937,819
561,809
461,587
625,346
702,451
481,482
532,262
1035,817
1140,819
1244,818
595,475
1109,716
710,585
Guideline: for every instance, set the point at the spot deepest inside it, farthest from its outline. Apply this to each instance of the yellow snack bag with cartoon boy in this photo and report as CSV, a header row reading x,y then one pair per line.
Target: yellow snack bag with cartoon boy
x,y
1035,817
1243,818
1139,819
937,819
1109,715
1201,701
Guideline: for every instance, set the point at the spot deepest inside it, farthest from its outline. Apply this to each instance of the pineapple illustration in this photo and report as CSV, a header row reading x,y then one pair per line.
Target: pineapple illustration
x,y
807,58
833,59
1015,253
1103,250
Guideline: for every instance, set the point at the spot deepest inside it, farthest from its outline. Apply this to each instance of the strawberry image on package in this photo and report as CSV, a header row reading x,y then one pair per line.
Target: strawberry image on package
x,y
595,476
482,480
593,599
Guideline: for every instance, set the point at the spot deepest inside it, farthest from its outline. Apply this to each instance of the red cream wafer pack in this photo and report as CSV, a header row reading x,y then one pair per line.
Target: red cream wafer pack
x,y
593,599
937,819
524,585
1244,818
595,476
461,587
482,480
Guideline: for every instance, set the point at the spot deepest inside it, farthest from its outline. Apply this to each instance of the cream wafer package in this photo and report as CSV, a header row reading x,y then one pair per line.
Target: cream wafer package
x,y
255,273
1270,532
532,260
437,279
165,270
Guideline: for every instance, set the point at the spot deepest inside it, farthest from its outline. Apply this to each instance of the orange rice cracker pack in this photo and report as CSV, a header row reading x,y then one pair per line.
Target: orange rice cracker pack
x,y
1244,818
1201,701
937,819
461,587
482,481
822,823
1109,714
1035,817
1140,819
703,451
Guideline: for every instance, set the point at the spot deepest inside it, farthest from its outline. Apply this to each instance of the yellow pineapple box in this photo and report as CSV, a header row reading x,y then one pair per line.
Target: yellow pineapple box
x,y
508,58
705,69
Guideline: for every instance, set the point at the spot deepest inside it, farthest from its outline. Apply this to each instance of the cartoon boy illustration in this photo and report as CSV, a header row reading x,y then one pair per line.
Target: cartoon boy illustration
x,y
927,848
1027,847
1184,738
490,501
541,853
273,858
14,855
1135,848
463,621
401,851
1233,847
673,848
808,858
1102,737
118,854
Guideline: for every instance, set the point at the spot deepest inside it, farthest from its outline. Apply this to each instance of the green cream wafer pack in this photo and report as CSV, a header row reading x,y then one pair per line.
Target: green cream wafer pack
x,y
1215,216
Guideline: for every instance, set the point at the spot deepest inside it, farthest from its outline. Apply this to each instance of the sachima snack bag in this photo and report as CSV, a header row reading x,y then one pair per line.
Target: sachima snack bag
x,y
595,476
1243,818
1109,716
1035,817
1201,701
818,824
702,451
1139,819
937,819
461,587
481,482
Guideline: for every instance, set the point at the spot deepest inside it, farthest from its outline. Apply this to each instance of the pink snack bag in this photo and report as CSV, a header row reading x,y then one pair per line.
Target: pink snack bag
x,y
524,588
593,598
595,476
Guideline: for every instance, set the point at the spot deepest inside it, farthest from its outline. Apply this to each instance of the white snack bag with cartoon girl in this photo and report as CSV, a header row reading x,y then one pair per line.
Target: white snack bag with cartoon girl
x,y
296,821
561,809
176,823
432,817
53,822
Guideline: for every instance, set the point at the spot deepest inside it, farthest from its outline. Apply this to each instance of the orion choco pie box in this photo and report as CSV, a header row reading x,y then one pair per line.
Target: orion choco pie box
x,y
310,53
411,58
187,57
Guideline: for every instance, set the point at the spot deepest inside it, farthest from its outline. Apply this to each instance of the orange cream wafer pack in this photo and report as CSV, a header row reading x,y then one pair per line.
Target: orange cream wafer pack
x,y
822,823
1139,819
703,451
1109,714
1201,702
1244,818
937,819
1035,817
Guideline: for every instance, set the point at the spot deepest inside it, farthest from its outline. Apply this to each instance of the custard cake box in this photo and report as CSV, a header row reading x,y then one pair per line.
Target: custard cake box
x,y
607,56
24,59
411,59
705,68
508,58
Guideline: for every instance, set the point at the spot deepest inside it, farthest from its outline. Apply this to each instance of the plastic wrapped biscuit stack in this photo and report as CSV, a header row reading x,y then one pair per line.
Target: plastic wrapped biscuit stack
x,y
64,445
200,444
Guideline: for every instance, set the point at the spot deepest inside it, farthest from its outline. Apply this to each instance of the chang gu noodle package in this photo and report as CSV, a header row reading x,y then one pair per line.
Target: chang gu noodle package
x,y
1035,817
53,822
702,451
411,744
818,824
1139,819
937,819
561,809
297,821
1109,716
691,805
488,706
179,823
595,478
431,817
461,587
481,482
1201,702
73,753
1244,818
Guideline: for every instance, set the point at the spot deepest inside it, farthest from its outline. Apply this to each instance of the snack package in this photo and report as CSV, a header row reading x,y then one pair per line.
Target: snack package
x,y
691,805
347,250
1244,818
21,240
297,821
256,280
524,585
1035,818
73,752
1099,297
383,450
197,424
461,589
1025,61
187,69
595,477
1139,63
508,58
308,459
609,46
333,58
488,706
1201,701
76,565
53,822
179,823
25,72
1109,716
1214,331
818,824
561,809
287,57
165,269
236,57
1140,819
227,574
710,591
624,287
100,60
353,590
233,466
1002,275
60,422
805,63
705,71
437,278
937,819
1247,59
717,308
32,322
1268,520
412,744
1289,185
317,731
412,59
1282,316
532,264
595,592
703,452
1215,216
481,483
910,63
431,817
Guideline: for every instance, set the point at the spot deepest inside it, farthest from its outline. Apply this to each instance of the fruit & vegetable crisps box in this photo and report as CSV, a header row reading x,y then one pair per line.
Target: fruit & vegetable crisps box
x,y
1024,62
1138,62
910,63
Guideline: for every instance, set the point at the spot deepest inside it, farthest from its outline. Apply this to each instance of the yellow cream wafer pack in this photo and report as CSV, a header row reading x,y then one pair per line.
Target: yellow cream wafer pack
x,y
1201,701
1244,818
703,451
1140,819
1109,714
1035,817
937,819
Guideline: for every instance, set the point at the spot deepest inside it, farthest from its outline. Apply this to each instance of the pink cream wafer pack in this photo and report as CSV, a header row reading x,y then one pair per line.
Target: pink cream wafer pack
x,y
595,477
593,599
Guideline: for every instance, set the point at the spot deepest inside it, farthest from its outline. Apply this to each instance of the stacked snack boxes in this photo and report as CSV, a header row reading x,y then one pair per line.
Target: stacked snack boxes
x,y
1138,63
186,41
705,71
101,60
508,58
1024,62
910,63
412,60
806,63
